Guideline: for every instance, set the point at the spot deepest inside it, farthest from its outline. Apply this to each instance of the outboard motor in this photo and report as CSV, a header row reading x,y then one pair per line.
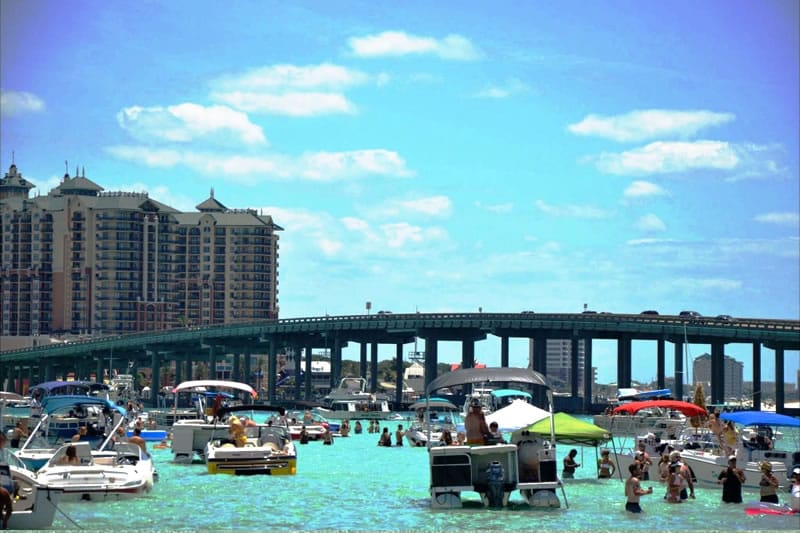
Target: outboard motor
x,y
494,493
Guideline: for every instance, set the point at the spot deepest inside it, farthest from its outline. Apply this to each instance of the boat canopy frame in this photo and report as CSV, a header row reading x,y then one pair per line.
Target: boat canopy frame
x,y
467,376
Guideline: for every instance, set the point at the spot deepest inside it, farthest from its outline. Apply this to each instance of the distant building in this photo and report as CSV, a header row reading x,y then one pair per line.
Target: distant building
x,y
559,361
733,372
82,260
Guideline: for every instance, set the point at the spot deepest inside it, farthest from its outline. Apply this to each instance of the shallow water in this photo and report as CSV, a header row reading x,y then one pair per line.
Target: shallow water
x,y
357,485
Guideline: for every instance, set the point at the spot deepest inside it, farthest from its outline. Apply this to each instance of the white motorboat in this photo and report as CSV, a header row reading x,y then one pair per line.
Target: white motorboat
x,y
128,473
190,436
483,395
33,505
65,416
432,418
707,465
495,471
664,423
312,421
251,448
352,401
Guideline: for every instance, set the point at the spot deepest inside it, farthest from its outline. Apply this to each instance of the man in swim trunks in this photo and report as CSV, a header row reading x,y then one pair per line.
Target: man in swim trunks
x,y
633,490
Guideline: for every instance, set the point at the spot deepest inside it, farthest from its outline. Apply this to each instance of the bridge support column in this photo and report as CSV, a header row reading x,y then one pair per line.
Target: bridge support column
x,y
588,377
504,351
431,360
779,381
212,362
307,376
623,362
362,367
237,371
20,376
757,376
373,367
336,355
298,369
99,369
189,365
678,392
660,364
398,397
155,378
248,369
573,367
717,373
272,370
49,371
540,365
178,368
467,354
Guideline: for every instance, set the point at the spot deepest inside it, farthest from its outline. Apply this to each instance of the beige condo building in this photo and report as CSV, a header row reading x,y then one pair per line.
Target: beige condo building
x,y
84,260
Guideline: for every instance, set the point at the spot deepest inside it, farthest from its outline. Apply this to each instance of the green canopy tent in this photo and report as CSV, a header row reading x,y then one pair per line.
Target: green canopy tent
x,y
570,430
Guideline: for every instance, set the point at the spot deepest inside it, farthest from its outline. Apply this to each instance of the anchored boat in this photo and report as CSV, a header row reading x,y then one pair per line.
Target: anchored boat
x,y
251,448
495,471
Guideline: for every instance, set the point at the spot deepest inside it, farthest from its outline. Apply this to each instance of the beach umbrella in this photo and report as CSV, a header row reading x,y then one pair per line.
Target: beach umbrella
x,y
689,409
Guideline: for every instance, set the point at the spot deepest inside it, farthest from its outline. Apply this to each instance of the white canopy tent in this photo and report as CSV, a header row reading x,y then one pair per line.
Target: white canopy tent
x,y
516,415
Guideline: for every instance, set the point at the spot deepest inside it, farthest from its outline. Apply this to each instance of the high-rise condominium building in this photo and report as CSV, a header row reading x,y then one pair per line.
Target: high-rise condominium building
x,y
733,370
559,360
84,260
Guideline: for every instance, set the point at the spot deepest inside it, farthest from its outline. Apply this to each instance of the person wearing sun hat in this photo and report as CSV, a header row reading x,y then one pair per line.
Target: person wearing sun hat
x,y
731,480
795,490
768,484
686,476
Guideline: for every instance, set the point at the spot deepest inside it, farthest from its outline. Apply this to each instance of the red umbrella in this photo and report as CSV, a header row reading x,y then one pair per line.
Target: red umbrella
x,y
689,409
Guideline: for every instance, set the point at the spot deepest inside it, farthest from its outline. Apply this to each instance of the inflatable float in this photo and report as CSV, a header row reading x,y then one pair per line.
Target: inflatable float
x,y
754,508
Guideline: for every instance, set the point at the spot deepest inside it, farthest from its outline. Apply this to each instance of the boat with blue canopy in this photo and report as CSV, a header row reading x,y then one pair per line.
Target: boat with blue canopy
x,y
94,419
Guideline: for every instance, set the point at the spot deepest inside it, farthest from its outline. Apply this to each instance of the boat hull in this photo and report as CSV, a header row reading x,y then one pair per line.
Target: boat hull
x,y
286,466
37,505
707,467
634,425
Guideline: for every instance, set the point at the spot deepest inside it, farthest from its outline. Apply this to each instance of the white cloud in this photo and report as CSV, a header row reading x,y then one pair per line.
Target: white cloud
x,y
355,224
707,284
312,166
496,208
397,43
780,218
292,77
571,210
650,223
293,90
511,88
400,234
315,232
295,104
640,188
14,103
649,124
668,157
188,122
432,205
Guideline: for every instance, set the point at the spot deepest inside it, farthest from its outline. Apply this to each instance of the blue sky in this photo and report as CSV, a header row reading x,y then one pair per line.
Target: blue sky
x,y
444,156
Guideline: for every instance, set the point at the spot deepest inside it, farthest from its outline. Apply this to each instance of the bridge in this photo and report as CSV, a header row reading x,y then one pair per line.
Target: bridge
x,y
207,343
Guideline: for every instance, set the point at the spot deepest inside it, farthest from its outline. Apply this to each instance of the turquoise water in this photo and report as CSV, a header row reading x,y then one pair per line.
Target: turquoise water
x,y
356,485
